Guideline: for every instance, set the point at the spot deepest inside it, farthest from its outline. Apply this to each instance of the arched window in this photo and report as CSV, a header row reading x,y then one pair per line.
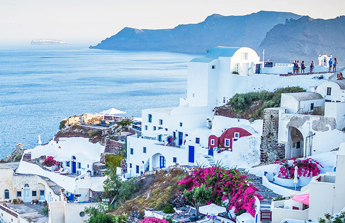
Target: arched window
x,y
73,158
7,194
26,185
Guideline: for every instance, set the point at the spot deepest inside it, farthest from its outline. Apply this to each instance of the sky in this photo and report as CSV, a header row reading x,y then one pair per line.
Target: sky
x,y
90,21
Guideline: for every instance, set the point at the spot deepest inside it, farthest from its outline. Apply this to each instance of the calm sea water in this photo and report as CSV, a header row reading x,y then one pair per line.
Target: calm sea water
x,y
41,85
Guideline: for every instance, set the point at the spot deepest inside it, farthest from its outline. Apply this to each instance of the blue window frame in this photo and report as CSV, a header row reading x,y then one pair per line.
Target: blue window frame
x,y
137,169
130,165
180,124
150,118
67,163
132,151
160,121
174,160
154,128
145,127
197,140
144,149
79,165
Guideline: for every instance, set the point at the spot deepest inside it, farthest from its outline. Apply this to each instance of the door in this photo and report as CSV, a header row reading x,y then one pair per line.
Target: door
x,y
26,195
180,138
42,197
74,167
161,162
210,152
191,154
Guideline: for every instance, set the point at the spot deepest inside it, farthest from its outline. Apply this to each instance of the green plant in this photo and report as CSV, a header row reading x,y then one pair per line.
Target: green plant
x,y
101,218
45,211
93,133
17,158
198,196
120,218
62,124
169,209
112,161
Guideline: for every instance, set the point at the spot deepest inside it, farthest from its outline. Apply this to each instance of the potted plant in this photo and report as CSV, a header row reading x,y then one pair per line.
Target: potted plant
x,y
49,162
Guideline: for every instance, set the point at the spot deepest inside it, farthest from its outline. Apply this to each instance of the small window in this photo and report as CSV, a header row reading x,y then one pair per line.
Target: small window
x,y
79,165
144,149
174,160
185,135
213,67
34,193
41,192
19,193
150,118
237,135
193,95
329,91
130,165
160,138
227,142
88,166
145,127
67,164
160,121
132,151
7,194
160,127
137,169
312,106
245,56
180,124
26,185
197,140
154,128
166,129
298,145
174,134
212,142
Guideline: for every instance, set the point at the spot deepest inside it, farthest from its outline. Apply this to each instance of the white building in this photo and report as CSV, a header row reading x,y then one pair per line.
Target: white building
x,y
186,134
312,122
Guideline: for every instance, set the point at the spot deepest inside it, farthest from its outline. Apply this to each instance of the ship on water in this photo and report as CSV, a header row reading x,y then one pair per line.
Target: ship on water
x,y
47,42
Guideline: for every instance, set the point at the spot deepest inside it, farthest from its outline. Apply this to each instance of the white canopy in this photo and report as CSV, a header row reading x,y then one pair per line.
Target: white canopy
x,y
112,111
212,209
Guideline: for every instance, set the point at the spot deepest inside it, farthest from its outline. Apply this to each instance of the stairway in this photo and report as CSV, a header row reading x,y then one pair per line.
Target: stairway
x,y
210,160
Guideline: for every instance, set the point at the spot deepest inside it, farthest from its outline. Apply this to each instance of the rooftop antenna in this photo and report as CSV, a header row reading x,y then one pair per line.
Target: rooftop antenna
x,y
39,140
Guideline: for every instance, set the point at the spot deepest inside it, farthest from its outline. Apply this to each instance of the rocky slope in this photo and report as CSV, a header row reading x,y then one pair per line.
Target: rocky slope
x,y
248,30
304,39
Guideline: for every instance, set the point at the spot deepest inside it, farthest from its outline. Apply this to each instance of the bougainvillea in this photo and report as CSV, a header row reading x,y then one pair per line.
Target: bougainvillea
x,y
227,185
306,167
49,161
153,220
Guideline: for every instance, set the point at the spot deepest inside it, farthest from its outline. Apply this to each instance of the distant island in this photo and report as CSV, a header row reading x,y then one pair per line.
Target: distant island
x,y
47,42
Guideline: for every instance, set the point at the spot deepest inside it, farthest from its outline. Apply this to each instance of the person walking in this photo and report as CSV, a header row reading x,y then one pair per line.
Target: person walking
x,y
335,65
311,67
330,62
302,67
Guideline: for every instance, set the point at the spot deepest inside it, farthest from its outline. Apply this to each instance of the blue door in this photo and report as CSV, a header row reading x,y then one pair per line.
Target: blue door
x,y
74,167
161,162
191,154
180,138
210,152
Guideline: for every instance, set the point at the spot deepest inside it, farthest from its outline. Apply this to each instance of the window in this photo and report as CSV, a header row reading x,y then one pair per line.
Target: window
x,y
227,142
160,138
160,121
245,56
41,192
19,193
88,165
237,67
26,185
166,129
329,91
185,135
312,106
130,165
145,127
137,169
132,151
79,165
298,145
236,135
180,124
154,128
213,67
174,134
212,142
197,140
67,163
223,99
7,194
174,160
34,193
150,118
144,149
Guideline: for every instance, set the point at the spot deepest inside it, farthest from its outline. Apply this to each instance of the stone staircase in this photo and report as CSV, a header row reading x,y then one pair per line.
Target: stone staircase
x,y
210,160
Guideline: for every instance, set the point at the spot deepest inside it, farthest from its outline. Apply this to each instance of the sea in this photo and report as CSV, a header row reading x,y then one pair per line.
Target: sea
x,y
41,85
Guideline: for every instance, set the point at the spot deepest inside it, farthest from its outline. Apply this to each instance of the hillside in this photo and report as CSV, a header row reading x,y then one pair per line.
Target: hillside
x,y
247,30
304,39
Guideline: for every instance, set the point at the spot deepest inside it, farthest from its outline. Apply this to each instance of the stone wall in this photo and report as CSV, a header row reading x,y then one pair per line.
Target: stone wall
x,y
112,146
270,149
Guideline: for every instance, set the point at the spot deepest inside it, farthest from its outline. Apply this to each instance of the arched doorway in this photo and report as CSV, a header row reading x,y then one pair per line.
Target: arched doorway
x,y
158,161
26,193
296,142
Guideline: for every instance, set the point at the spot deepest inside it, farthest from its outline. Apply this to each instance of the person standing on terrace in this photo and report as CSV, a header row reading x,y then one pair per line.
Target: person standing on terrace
x,y
302,67
335,65
311,67
330,62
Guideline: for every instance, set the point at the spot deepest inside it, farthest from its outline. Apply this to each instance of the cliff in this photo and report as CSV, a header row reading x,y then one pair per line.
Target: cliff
x,y
304,39
248,30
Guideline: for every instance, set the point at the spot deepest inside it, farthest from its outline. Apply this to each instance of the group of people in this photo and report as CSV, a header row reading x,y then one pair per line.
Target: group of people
x,y
297,65
332,64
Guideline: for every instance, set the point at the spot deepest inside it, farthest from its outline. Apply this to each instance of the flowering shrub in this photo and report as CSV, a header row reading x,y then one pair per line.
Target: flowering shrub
x,y
49,161
153,220
227,185
306,167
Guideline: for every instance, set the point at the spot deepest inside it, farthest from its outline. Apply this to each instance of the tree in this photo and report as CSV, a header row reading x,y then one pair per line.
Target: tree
x,y
120,218
198,196
101,218
111,185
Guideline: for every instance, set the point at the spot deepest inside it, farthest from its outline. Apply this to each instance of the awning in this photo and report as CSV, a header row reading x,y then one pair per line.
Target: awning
x,y
112,111
303,198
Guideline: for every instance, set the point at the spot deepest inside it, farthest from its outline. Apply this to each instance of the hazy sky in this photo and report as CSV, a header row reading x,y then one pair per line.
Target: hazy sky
x,y
90,21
